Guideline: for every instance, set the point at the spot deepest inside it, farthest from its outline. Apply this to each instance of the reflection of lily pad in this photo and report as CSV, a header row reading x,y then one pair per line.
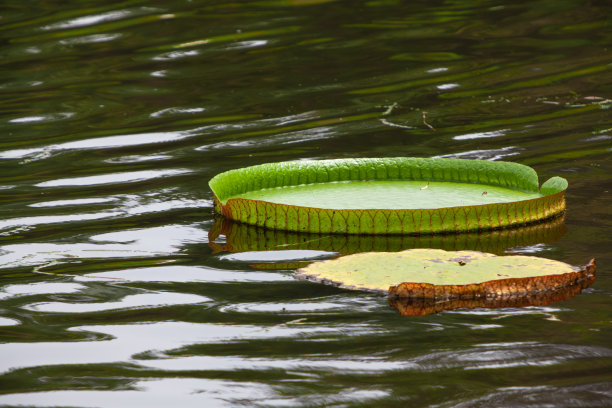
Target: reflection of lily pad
x,y
243,237
438,274
387,196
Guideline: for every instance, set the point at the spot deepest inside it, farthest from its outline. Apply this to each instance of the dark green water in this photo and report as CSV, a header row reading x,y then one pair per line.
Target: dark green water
x,y
115,116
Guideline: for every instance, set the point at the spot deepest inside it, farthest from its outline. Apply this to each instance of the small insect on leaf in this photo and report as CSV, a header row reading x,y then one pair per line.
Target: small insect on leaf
x,y
484,193
426,186
461,263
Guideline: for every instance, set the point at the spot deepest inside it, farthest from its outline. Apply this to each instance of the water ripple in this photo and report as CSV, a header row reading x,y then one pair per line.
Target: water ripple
x,y
100,143
277,256
89,20
12,291
143,300
113,178
583,395
157,241
357,364
55,219
187,393
491,154
125,341
179,273
505,355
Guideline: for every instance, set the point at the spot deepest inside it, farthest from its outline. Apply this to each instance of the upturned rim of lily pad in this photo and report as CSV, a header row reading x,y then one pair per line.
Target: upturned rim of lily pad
x,y
227,186
426,306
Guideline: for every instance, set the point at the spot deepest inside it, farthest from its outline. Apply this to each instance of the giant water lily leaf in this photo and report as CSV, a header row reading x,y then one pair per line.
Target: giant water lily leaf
x,y
239,237
439,274
387,196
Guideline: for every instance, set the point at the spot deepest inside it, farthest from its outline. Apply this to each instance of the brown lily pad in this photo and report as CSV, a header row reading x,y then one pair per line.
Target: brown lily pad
x,y
461,276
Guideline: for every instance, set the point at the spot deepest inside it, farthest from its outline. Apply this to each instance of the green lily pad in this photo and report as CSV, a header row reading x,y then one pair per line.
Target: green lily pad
x,y
395,194
439,274
387,196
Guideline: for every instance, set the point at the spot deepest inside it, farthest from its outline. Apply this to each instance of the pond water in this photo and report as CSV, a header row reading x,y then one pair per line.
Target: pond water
x,y
121,288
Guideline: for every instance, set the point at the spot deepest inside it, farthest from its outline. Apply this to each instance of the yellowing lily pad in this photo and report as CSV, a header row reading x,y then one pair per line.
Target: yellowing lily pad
x,y
387,195
439,274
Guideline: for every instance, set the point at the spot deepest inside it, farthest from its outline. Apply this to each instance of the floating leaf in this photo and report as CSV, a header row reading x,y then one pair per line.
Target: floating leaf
x,y
387,196
442,275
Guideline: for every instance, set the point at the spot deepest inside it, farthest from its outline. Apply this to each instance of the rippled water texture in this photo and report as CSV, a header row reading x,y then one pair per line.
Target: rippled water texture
x,y
114,116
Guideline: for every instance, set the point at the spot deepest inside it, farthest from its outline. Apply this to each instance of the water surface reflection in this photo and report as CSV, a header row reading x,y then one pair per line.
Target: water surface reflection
x,y
119,288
